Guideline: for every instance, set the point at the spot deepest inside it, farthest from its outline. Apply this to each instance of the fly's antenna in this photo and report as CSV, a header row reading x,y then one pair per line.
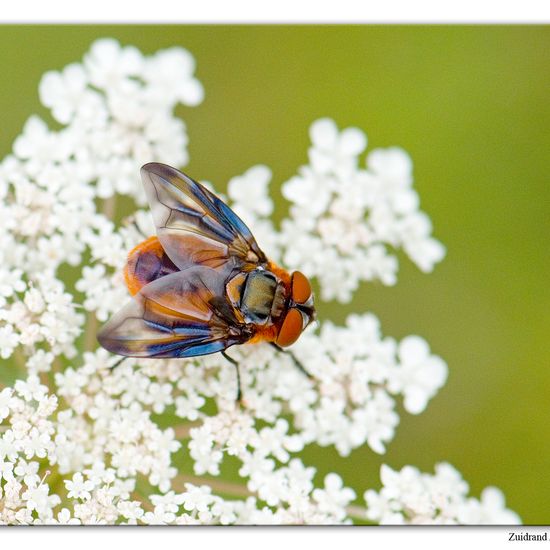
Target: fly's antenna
x,y
294,359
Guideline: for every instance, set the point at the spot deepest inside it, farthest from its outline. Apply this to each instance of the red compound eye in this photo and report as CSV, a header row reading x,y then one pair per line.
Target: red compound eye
x,y
291,328
301,288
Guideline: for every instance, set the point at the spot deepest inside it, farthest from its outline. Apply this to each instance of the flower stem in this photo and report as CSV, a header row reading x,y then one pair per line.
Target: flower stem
x,y
356,512
90,332
182,431
109,207
144,501
19,358
221,486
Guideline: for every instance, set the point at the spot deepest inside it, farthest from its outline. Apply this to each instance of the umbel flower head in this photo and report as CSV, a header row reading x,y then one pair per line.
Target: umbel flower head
x,y
150,441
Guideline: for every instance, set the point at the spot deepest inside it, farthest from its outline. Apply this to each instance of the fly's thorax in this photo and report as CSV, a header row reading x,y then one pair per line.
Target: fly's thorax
x,y
259,295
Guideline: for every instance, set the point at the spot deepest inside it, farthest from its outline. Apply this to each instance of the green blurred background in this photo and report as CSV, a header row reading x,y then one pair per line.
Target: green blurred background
x,y
471,106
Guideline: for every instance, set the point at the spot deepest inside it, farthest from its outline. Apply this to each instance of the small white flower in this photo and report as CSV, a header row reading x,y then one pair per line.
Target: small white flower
x,y
272,441
490,509
8,341
310,193
8,446
41,361
40,146
171,72
64,518
5,400
78,487
419,374
334,151
249,192
188,406
334,498
196,498
28,471
6,469
11,281
393,165
34,300
109,65
31,388
36,444
70,382
130,510
36,497
62,92
205,457
160,396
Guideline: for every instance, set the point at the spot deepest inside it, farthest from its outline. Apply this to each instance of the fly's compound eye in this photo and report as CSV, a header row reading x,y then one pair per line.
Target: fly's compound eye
x,y
292,327
301,288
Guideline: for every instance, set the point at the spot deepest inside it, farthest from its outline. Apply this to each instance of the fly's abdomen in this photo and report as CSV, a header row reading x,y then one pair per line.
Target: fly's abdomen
x,y
146,262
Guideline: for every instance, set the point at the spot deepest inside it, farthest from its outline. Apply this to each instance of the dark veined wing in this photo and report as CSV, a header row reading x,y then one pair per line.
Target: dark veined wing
x,y
194,226
183,314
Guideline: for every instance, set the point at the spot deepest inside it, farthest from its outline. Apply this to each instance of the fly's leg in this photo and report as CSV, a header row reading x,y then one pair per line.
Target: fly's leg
x,y
118,362
294,359
132,221
236,365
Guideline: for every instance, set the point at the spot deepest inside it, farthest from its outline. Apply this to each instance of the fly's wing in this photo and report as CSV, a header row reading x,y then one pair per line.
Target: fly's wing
x,y
194,226
183,314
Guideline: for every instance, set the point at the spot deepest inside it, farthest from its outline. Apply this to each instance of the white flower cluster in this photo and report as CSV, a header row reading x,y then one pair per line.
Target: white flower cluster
x,y
358,373
350,402
118,106
42,314
82,442
411,497
31,446
107,437
345,219
117,109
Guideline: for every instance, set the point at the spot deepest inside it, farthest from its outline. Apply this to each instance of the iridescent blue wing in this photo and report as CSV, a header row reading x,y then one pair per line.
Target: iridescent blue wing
x,y
182,314
194,226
